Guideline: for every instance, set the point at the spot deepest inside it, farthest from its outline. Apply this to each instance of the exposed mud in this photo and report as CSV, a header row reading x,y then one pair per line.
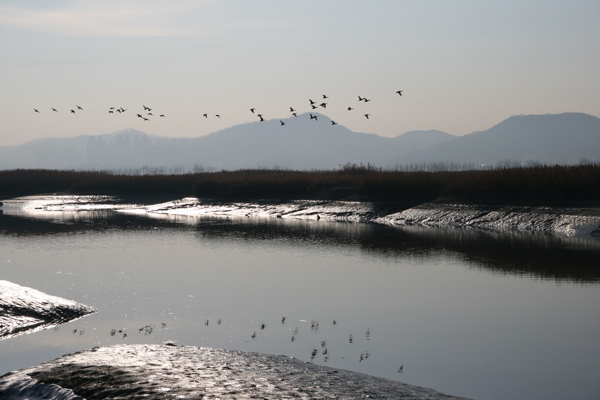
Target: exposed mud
x,y
25,310
171,372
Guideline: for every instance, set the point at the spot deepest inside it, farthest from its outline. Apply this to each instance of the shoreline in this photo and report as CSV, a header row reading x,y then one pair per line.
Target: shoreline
x,y
562,221
169,371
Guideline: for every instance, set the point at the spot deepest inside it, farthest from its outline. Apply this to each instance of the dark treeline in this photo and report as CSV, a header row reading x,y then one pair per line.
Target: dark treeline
x,y
577,185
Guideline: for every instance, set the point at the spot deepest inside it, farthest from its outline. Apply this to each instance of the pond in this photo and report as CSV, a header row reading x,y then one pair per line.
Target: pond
x,y
469,313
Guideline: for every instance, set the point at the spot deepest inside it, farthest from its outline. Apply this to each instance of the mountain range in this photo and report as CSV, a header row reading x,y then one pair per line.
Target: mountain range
x,y
303,143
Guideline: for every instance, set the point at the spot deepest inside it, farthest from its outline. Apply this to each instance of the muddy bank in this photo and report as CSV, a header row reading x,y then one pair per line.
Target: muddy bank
x,y
555,220
25,310
564,221
167,372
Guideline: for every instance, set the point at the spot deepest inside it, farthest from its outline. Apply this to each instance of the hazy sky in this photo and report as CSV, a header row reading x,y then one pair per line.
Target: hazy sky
x,y
464,65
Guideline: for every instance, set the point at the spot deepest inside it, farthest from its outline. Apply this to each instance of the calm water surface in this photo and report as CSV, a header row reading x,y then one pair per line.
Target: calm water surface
x,y
469,313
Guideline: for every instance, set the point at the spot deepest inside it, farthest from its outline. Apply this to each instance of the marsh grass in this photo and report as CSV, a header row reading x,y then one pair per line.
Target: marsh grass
x,y
535,185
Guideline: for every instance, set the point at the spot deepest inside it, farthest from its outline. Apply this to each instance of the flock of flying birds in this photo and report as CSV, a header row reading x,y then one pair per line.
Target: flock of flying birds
x,y
147,113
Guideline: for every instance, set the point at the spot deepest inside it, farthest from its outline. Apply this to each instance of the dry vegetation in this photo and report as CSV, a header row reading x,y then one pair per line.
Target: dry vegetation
x,y
536,185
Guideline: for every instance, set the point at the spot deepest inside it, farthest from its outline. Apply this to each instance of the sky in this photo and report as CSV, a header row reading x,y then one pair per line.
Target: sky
x,y
462,65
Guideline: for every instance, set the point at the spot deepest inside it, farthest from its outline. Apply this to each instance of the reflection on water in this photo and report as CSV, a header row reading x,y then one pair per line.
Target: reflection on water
x,y
541,255
471,313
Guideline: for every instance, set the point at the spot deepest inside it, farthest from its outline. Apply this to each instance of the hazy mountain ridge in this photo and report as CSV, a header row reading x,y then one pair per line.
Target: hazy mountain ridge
x,y
303,143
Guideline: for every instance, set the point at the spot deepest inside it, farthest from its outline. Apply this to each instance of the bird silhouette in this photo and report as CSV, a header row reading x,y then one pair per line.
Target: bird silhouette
x,y
252,109
162,115
400,92
112,108
292,110
36,110
146,119
217,115
311,102
151,114
79,107
205,115
261,117
139,115
119,111
295,114
54,109
111,112
360,98
332,123
350,108
367,116
313,106
325,96
366,100
73,111
282,123
123,109
314,117
324,105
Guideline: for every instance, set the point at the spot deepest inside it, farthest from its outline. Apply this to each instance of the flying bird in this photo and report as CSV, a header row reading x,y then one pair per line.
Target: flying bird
x,y
360,98
162,115
252,109
111,112
146,119
366,100
139,115
292,110
324,105
123,109
148,113
205,115
314,117
73,111
332,123
400,92
79,107
35,110
295,114
313,106
261,118
367,116
282,123
350,108
54,109
311,102
325,96
217,115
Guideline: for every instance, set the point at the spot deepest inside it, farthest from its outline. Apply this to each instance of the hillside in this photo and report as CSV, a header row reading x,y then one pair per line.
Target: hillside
x,y
303,143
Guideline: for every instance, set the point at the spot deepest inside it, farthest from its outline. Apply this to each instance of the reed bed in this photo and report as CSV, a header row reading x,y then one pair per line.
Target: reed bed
x,y
535,185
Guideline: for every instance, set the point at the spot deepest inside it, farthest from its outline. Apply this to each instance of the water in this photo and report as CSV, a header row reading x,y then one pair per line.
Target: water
x,y
476,314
